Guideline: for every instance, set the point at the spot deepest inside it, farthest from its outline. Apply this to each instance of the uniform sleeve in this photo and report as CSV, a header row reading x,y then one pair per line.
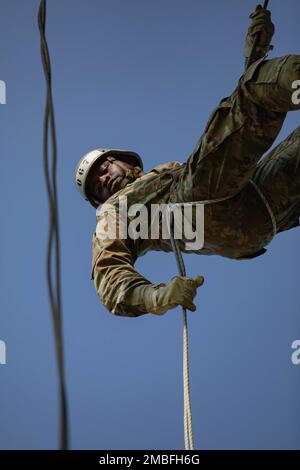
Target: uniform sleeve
x,y
114,275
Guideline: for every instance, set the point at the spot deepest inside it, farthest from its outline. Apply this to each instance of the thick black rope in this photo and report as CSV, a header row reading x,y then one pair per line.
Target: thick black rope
x,y
53,248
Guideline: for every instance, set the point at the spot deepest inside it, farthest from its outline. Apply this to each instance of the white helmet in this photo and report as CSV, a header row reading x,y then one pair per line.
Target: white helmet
x,y
87,161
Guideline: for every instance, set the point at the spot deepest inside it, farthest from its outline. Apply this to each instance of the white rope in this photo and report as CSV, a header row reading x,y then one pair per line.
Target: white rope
x,y
187,412
188,428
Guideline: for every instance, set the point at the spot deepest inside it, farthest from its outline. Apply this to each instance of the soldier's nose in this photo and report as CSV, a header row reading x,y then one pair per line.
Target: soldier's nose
x,y
104,180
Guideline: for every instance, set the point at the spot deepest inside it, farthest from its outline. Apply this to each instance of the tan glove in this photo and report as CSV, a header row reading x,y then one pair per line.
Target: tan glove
x,y
262,24
158,299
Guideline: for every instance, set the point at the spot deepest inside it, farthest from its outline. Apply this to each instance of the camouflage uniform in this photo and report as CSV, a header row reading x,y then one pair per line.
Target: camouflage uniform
x,y
224,164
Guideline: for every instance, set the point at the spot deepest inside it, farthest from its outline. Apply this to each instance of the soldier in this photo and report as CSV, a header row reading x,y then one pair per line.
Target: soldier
x,y
247,201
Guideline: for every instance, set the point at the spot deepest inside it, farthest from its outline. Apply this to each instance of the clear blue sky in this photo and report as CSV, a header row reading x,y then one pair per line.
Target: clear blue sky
x,y
142,75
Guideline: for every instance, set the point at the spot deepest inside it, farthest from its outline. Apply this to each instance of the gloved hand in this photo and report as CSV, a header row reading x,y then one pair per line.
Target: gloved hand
x,y
158,299
261,23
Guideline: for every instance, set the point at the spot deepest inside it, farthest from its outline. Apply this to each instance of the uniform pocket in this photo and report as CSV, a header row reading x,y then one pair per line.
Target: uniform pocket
x,y
223,104
262,86
265,71
225,120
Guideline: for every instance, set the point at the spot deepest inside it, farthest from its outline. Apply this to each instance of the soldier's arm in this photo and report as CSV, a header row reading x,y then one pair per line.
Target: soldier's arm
x,y
125,292
114,276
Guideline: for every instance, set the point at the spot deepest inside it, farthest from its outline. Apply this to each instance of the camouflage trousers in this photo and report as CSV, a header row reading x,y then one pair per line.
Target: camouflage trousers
x,y
239,131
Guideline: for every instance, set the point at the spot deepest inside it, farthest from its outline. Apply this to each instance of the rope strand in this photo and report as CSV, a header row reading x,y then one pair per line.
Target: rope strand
x,y
53,245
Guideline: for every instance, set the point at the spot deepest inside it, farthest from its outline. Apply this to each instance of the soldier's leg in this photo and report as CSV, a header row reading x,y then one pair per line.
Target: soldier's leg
x,y
240,130
275,95
278,177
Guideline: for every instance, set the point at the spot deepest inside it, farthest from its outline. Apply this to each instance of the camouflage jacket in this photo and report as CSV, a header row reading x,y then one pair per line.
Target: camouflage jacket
x,y
236,228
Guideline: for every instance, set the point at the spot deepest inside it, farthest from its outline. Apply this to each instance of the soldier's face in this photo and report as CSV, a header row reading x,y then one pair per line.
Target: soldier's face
x,y
108,179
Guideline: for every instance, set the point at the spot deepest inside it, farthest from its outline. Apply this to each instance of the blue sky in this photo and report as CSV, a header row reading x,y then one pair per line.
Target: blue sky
x,y
145,76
